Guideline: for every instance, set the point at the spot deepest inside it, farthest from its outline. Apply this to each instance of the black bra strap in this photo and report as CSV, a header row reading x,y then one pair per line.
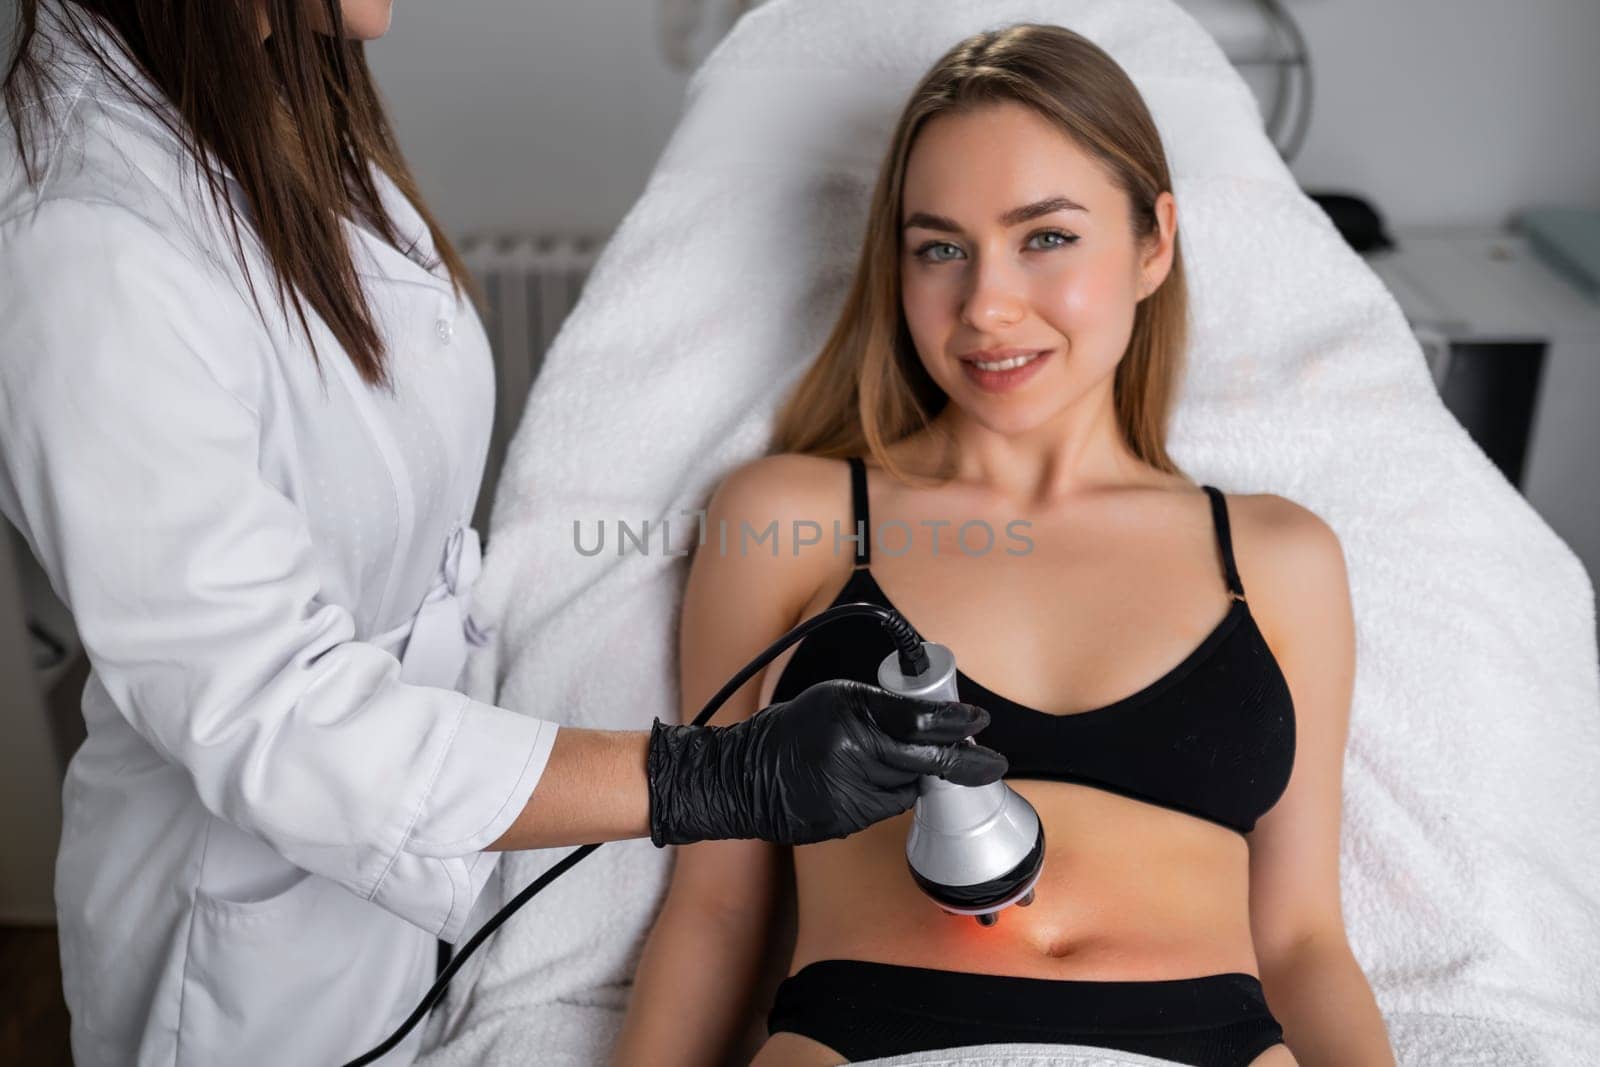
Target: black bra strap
x,y
1219,518
858,496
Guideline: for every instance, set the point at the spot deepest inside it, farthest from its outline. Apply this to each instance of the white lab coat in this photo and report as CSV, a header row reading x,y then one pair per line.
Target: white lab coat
x,y
282,800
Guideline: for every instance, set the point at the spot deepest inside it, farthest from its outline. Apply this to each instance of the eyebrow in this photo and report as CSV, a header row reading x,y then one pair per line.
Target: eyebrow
x,y
1015,217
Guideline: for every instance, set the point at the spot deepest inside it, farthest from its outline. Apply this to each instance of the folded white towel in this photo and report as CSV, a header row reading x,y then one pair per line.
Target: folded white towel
x,y
1472,802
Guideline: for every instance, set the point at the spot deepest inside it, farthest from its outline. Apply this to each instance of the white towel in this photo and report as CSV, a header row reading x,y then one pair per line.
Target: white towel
x,y
1472,798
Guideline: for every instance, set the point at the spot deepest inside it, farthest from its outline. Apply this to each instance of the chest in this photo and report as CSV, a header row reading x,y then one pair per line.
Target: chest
x,y
1063,621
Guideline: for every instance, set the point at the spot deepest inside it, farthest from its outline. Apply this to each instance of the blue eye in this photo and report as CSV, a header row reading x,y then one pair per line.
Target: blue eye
x,y
1062,240
926,252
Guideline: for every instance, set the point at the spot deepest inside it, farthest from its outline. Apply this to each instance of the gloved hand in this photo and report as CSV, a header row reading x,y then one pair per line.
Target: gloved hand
x,y
835,759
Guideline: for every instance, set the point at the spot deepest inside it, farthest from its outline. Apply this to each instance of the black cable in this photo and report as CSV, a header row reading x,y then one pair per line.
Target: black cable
x,y
913,661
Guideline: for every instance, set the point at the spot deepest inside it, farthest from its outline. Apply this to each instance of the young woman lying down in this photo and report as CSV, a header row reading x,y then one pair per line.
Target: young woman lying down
x,y
989,415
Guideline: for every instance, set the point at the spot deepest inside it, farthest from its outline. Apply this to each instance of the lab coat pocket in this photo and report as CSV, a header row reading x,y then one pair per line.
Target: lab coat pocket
x,y
290,967
254,970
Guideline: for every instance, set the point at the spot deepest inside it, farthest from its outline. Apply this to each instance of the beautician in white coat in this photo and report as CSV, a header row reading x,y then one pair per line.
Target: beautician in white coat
x,y
243,419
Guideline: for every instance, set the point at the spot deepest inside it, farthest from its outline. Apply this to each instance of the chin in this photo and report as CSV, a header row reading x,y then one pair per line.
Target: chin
x,y
366,20
1007,416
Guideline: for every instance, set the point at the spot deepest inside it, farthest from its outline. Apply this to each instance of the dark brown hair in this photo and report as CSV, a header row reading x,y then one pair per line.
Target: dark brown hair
x,y
295,119
867,388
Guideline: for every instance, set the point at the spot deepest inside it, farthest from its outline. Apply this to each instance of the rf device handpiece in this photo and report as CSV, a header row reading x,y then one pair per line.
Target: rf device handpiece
x,y
975,850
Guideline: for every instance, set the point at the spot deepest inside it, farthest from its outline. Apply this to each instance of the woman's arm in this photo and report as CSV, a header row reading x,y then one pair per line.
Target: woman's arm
x,y
594,788
1312,980
703,962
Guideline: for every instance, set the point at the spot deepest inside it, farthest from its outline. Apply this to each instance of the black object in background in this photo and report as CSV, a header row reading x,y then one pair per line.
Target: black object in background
x,y
1491,389
1357,221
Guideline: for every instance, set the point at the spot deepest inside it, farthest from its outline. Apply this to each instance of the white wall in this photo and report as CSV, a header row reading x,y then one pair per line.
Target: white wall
x,y
532,115
550,113
1454,111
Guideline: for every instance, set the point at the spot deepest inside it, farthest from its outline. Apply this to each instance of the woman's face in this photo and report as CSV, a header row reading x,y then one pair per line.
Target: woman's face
x,y
1017,248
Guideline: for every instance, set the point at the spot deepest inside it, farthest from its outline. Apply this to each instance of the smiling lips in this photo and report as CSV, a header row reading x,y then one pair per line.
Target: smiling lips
x,y
998,370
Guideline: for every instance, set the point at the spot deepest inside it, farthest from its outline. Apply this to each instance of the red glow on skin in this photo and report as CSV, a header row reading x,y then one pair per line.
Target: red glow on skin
x,y
966,929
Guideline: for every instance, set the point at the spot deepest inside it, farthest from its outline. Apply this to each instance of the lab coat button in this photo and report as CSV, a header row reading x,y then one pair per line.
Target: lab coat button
x,y
444,330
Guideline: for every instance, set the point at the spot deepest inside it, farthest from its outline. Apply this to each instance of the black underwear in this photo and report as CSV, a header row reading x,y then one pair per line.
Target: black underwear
x,y
865,1010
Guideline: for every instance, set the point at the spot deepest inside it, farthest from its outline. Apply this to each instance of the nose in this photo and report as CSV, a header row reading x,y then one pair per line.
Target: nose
x,y
995,299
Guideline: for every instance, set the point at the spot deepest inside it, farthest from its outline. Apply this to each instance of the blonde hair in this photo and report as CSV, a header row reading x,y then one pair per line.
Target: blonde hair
x,y
867,389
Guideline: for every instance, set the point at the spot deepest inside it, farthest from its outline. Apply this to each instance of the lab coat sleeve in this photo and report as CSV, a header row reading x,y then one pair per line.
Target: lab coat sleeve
x,y
129,458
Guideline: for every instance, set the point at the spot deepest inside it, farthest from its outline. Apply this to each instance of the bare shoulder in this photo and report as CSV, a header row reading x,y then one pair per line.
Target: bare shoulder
x,y
783,486
1279,532
750,578
1291,564
783,521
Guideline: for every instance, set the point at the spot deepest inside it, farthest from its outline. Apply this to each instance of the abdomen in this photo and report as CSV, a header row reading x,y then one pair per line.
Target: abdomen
x,y
1129,892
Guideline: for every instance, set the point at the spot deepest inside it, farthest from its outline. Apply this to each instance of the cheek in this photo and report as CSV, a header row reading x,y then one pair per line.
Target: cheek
x,y
1084,298
932,302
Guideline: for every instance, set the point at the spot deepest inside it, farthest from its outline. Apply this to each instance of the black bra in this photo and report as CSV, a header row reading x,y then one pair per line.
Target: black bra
x,y
1213,737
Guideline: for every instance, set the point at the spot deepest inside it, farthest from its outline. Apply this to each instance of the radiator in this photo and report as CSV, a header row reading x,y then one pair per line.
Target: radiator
x,y
529,284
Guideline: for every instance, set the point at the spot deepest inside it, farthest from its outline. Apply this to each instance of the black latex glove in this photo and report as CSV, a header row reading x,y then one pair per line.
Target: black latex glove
x,y
837,758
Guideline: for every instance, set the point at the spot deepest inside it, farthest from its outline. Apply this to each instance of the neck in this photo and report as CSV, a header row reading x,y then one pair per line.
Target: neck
x,y
1077,452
